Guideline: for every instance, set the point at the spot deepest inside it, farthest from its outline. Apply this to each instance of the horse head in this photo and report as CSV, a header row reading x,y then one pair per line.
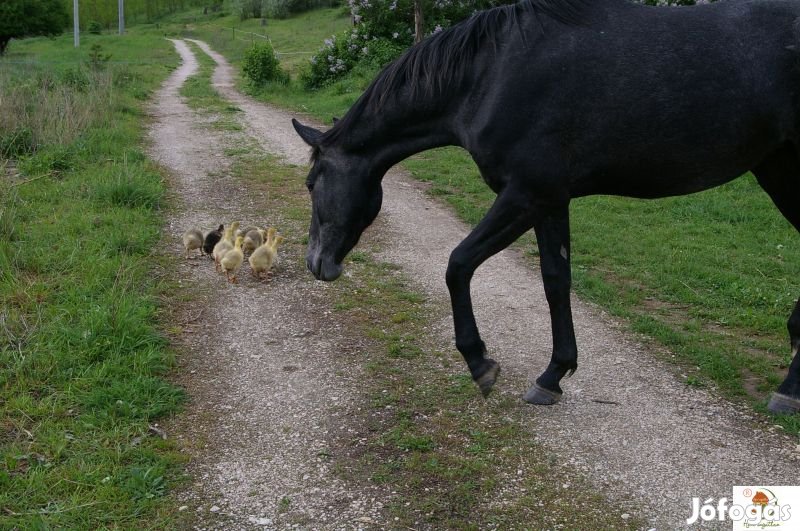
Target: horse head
x,y
345,199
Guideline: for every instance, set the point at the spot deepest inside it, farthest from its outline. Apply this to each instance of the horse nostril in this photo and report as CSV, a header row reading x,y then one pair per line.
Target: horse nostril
x,y
314,264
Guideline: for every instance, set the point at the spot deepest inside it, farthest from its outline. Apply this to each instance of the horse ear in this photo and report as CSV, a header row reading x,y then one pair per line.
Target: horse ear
x,y
309,135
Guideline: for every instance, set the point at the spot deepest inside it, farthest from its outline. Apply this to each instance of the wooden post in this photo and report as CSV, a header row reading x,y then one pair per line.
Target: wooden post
x,y
76,22
419,22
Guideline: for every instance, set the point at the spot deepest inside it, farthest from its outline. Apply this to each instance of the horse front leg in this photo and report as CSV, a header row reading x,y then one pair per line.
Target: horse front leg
x,y
552,236
508,219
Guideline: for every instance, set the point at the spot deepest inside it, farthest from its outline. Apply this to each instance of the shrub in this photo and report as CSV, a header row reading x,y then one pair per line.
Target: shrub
x,y
76,79
337,57
384,51
94,27
97,58
260,65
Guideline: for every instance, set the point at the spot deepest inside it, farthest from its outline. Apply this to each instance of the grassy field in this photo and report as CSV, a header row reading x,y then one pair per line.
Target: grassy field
x,y
710,276
294,39
83,362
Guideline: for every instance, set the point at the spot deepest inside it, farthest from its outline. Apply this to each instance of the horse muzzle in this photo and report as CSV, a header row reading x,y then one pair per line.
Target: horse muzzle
x,y
323,269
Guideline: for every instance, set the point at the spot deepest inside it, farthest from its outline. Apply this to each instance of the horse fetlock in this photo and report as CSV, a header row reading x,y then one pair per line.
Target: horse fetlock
x,y
565,368
487,377
549,381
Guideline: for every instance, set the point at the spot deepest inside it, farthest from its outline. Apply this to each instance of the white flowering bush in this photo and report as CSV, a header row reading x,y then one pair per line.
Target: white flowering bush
x,y
336,57
382,30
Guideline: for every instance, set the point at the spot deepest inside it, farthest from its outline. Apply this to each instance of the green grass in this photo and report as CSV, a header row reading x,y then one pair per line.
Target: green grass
x,y
708,276
83,362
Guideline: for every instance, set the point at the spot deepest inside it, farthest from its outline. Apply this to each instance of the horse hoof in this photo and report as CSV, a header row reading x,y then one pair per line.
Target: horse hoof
x,y
486,380
783,404
540,396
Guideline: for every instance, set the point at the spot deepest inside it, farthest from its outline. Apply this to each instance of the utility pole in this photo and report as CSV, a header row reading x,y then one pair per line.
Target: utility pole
x,y
76,22
121,6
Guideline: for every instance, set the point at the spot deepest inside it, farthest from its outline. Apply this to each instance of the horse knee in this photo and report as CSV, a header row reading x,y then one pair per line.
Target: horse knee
x,y
458,269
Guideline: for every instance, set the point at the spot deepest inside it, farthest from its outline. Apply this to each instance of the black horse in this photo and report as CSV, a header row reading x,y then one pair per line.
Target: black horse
x,y
558,99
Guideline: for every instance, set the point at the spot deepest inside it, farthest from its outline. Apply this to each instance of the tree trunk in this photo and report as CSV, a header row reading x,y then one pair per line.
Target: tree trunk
x,y
3,43
419,22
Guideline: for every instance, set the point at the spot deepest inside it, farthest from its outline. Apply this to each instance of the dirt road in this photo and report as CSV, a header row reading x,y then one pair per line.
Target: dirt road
x,y
649,436
264,404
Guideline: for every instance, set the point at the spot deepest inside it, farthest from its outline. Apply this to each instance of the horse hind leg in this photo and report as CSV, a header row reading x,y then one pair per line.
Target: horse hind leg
x,y
553,239
779,176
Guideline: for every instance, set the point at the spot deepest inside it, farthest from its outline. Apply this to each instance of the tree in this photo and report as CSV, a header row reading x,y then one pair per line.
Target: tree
x,y
419,22
27,18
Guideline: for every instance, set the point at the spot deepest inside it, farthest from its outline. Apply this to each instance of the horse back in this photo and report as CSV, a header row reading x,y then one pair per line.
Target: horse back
x,y
640,101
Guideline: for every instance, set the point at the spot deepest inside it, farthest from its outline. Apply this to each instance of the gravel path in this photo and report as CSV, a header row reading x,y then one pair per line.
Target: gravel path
x,y
258,458
656,440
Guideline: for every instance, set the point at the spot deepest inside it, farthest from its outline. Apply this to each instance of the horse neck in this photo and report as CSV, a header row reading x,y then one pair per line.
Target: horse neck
x,y
395,130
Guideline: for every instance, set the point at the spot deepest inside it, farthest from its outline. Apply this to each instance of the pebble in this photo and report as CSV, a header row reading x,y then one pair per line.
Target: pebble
x,y
625,516
214,509
182,508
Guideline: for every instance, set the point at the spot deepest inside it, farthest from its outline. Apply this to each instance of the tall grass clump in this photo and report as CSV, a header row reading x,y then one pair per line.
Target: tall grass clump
x,y
82,357
42,107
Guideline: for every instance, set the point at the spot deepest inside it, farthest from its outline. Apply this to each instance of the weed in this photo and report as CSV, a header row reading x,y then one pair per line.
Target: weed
x,y
144,484
130,187
17,143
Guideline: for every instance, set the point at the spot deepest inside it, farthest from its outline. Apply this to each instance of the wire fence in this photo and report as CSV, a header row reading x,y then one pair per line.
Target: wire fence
x,y
235,34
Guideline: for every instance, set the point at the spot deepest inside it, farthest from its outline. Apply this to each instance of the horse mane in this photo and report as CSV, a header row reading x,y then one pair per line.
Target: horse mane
x,y
439,61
